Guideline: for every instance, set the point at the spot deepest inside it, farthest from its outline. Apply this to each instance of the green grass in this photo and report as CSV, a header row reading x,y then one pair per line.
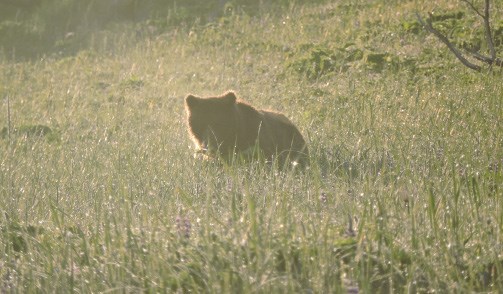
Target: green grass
x,y
406,145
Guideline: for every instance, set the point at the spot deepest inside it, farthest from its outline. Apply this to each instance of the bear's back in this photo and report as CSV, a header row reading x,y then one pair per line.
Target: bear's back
x,y
283,134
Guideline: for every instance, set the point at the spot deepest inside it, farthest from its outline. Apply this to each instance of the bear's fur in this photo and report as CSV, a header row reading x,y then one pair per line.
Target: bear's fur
x,y
224,126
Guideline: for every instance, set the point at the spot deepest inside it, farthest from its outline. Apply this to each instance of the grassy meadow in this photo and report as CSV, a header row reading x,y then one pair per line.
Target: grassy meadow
x,y
100,191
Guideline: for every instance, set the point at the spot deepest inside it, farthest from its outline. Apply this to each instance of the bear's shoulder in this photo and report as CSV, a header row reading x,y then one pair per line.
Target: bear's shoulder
x,y
246,109
277,116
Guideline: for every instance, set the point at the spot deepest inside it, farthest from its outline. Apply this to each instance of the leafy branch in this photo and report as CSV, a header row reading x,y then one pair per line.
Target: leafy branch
x,y
491,60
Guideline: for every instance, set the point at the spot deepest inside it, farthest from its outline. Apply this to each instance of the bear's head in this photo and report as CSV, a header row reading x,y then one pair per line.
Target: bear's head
x,y
213,122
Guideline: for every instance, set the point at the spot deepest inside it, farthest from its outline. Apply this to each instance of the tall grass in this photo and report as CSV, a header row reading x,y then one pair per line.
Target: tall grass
x,y
403,193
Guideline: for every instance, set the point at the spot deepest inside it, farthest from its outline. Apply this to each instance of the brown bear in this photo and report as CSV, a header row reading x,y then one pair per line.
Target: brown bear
x,y
224,126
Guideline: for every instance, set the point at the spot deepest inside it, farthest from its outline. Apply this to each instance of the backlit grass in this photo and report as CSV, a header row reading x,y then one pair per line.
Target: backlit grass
x,y
403,193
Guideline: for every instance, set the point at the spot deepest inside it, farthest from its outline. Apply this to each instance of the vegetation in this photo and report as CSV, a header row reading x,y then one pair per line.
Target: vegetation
x,y
99,190
491,59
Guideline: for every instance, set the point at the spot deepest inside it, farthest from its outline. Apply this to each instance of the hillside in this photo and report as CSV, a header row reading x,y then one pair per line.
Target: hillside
x,y
100,191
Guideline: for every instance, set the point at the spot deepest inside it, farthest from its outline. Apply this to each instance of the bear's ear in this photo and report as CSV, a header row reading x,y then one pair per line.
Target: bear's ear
x,y
191,101
230,97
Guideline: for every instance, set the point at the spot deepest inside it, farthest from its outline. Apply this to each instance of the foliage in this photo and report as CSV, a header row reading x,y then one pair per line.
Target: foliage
x,y
31,28
491,59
